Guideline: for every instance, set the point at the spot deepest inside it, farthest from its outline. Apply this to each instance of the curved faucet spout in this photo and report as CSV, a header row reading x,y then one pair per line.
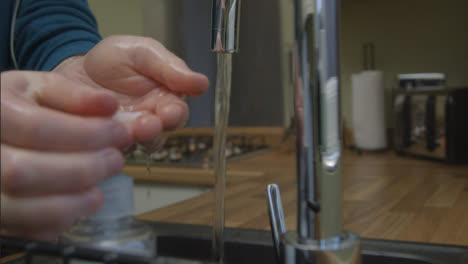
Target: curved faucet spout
x,y
225,26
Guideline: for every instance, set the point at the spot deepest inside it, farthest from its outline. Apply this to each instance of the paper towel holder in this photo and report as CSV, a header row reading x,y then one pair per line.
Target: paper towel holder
x,y
368,56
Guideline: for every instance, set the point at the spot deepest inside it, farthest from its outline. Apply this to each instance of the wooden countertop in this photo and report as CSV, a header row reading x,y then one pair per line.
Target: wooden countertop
x,y
385,196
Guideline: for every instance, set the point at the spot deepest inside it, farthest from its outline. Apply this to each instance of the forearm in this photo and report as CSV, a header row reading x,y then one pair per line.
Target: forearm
x,y
47,32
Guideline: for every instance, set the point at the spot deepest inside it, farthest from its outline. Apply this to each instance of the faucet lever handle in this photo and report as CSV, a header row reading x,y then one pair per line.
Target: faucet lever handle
x,y
276,214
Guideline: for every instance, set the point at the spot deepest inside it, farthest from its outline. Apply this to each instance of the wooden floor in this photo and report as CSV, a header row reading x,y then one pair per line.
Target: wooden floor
x,y
385,196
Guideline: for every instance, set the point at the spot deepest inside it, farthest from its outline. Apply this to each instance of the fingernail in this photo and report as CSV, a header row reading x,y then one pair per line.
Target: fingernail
x,y
114,161
151,123
174,116
150,127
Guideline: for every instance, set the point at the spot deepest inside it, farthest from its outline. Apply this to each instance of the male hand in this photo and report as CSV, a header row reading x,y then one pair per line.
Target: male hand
x,y
145,77
60,131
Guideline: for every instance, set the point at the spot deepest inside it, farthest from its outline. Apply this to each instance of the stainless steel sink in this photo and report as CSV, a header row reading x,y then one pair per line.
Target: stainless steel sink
x,y
252,246
186,244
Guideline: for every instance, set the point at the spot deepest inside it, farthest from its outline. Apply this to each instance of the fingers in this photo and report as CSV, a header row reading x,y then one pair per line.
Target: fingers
x,y
158,63
57,92
140,64
29,126
172,110
157,111
68,96
173,115
145,125
29,173
35,215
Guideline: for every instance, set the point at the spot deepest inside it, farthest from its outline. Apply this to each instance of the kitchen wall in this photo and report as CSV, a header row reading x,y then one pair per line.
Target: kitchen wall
x,y
409,36
122,16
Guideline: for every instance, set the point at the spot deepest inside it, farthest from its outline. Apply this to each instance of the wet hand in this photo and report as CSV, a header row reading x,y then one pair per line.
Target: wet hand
x,y
145,77
58,139
60,131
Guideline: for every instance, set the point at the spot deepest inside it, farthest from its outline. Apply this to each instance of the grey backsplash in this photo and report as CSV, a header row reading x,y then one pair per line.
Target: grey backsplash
x,y
196,21
256,97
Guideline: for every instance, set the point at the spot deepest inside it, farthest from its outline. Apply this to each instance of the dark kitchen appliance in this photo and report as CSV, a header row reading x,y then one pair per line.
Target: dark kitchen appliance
x,y
422,81
432,124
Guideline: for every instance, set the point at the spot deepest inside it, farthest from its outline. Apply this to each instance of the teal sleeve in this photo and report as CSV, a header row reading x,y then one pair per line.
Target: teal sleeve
x,y
49,31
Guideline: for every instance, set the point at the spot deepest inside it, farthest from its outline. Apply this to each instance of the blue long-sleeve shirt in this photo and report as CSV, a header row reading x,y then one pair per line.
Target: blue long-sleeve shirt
x,y
46,32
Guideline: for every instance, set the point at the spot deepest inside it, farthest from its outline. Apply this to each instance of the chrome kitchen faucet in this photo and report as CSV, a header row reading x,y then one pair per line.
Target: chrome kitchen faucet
x,y
319,238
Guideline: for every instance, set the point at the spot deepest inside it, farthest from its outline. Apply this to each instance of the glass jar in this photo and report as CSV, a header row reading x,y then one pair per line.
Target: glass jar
x,y
113,227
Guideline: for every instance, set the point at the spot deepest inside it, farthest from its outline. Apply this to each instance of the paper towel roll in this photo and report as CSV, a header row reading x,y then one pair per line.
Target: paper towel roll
x,y
368,109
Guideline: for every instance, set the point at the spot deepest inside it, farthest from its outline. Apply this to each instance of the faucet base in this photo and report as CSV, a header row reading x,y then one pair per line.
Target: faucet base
x,y
342,249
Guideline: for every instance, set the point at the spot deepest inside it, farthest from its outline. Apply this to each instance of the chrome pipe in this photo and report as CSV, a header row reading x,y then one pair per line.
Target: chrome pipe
x,y
344,248
276,215
225,26
318,143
